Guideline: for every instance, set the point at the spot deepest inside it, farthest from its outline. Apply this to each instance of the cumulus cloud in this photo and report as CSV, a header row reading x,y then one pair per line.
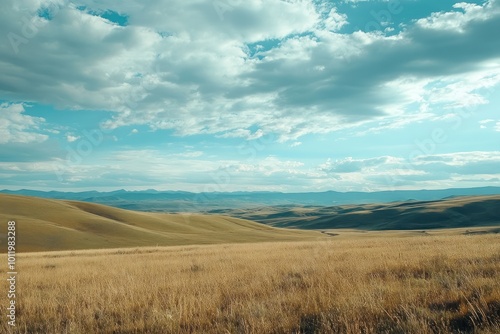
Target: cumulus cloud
x,y
335,20
16,127
456,21
211,76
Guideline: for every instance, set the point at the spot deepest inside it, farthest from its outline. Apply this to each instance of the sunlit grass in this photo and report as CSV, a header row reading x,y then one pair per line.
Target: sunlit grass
x,y
421,284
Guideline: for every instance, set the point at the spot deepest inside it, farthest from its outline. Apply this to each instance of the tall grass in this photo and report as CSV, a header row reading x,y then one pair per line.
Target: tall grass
x,y
421,284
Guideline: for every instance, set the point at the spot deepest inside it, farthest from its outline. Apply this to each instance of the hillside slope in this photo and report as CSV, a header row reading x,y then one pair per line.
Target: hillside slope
x,y
43,224
456,212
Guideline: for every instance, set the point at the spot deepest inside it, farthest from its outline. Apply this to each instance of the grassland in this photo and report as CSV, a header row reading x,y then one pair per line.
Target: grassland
x,y
44,225
416,284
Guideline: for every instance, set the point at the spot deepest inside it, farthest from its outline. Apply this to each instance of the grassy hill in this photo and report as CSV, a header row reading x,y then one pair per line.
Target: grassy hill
x,y
44,224
459,212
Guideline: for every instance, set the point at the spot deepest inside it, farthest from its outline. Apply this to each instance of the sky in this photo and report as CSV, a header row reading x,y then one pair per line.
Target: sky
x,y
254,95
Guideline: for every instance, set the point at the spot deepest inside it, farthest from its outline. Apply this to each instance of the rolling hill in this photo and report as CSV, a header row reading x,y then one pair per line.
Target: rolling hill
x,y
47,224
457,212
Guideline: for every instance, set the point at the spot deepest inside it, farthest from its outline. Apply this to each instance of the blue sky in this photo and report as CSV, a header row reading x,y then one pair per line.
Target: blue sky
x,y
230,95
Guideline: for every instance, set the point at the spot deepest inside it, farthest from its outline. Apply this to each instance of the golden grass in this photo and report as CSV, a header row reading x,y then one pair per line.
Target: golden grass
x,y
43,224
417,284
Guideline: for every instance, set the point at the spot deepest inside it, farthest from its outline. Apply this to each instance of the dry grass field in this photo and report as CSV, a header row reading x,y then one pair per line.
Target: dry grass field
x,y
416,284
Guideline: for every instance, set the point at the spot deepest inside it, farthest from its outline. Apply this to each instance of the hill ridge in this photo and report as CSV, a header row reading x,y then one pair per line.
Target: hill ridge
x,y
457,212
47,224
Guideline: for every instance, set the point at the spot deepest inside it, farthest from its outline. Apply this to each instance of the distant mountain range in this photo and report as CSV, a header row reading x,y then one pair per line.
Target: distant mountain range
x,y
181,201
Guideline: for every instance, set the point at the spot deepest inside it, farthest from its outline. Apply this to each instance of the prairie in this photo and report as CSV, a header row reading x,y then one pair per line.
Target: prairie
x,y
382,284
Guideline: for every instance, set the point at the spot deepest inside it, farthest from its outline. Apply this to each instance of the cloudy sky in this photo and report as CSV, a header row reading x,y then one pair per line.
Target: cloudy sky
x,y
225,95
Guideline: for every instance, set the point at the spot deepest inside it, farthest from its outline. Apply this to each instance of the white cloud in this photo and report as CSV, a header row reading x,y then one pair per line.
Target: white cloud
x,y
433,171
460,158
16,127
484,124
335,20
71,138
203,78
186,170
456,20
350,165
194,171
